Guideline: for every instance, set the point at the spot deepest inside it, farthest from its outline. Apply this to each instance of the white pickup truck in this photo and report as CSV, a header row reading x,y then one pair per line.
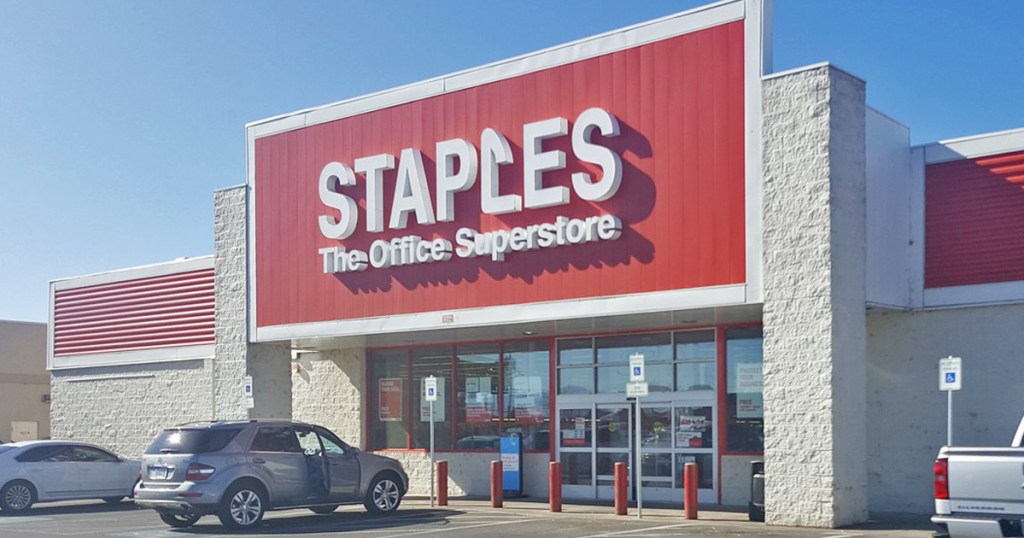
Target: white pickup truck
x,y
979,492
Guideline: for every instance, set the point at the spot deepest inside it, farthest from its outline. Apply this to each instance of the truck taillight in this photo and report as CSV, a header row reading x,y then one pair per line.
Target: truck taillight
x,y
941,469
198,471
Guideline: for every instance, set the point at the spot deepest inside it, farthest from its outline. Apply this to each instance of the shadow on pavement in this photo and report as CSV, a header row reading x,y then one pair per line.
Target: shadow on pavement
x,y
342,521
86,507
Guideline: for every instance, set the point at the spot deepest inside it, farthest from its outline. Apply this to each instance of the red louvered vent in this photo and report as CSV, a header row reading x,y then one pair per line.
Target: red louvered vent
x,y
154,312
974,221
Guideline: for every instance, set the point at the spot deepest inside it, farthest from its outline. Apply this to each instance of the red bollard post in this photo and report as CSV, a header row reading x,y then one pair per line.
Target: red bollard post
x,y
496,484
690,490
555,486
442,483
620,489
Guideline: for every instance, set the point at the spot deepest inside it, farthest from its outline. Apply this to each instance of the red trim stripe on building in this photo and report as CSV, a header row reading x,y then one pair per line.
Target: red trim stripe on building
x,y
145,313
974,217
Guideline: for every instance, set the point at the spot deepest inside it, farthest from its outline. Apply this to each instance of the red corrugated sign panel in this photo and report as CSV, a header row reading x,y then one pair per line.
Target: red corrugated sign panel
x,y
680,106
145,313
974,221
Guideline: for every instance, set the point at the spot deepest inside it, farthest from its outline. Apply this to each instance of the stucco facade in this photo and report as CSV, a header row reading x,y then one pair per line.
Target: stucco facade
x,y
24,382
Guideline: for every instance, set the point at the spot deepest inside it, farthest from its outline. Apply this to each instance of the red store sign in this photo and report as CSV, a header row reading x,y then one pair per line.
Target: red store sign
x,y
621,173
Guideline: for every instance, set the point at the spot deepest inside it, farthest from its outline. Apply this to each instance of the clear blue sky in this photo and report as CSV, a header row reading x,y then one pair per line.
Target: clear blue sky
x,y
118,119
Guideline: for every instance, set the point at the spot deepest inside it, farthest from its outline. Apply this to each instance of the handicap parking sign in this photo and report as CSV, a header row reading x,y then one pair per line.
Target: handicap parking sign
x,y
949,374
636,367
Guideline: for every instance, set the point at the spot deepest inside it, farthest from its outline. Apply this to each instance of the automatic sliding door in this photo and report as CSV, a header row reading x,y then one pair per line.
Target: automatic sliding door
x,y
576,451
613,427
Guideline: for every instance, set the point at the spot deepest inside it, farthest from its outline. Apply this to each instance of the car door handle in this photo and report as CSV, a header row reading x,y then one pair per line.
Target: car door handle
x,y
259,460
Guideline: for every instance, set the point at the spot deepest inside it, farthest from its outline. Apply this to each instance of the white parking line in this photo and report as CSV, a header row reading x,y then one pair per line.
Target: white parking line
x,y
11,520
632,531
460,527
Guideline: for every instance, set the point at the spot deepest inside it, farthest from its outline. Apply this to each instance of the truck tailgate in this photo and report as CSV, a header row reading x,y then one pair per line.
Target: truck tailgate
x,y
986,481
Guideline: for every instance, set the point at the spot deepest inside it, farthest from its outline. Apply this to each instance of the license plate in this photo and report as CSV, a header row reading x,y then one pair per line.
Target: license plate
x,y
158,473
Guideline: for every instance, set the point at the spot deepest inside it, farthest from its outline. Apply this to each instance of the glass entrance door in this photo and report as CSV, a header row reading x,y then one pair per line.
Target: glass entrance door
x,y
673,434
613,424
593,437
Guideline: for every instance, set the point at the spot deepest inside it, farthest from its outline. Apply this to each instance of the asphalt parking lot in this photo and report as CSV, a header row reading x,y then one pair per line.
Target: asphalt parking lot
x,y
462,519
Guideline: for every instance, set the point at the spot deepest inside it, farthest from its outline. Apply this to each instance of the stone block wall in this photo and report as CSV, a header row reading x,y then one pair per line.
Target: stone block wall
x,y
328,389
268,364
814,289
124,407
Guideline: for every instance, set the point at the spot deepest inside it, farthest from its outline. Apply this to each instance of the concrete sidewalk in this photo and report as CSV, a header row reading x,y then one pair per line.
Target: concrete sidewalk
x,y
880,524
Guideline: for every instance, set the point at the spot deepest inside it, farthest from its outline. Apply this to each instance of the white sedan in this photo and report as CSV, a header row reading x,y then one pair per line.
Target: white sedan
x,y
40,471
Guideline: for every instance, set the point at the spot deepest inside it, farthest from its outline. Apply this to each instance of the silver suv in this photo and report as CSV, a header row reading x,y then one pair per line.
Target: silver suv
x,y
238,470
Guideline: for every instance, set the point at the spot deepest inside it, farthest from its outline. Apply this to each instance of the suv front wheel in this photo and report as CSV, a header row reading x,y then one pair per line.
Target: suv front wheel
x,y
384,495
243,506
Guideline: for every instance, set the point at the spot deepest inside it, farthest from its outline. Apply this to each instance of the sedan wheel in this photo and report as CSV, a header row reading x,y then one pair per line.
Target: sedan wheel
x,y
243,507
17,496
384,495
179,520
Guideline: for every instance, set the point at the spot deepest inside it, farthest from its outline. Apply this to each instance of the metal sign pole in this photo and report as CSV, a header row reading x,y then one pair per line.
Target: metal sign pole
x,y
639,478
949,418
432,454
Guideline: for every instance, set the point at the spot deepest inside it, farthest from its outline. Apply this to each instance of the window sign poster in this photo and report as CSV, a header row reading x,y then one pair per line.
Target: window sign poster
x,y
536,385
749,388
749,405
576,436
439,405
389,406
749,377
690,431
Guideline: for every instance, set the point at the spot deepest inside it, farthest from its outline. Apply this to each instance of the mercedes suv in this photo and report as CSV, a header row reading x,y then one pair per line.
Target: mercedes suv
x,y
240,469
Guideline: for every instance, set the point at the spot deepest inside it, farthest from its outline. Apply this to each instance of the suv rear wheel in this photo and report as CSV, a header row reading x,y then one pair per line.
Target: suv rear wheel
x,y
243,506
384,495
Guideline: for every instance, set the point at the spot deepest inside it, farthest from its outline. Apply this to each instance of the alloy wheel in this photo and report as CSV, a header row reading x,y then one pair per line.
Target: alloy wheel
x,y
385,495
246,508
18,496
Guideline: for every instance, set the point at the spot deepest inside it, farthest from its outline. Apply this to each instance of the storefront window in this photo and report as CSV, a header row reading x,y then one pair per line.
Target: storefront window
x,y
436,362
483,391
576,366
613,353
389,423
745,413
526,399
695,360
476,397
